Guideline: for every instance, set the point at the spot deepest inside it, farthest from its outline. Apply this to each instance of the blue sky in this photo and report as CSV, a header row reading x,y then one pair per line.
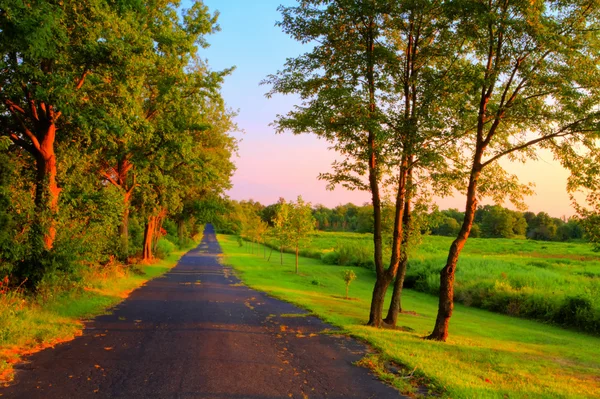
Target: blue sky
x,y
272,166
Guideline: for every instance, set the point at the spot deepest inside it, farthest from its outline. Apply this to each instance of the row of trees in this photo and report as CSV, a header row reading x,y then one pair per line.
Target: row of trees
x,y
491,221
428,95
494,221
287,224
110,123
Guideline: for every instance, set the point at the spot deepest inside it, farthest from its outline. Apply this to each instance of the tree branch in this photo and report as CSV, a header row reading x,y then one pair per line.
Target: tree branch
x,y
28,133
82,79
565,131
109,178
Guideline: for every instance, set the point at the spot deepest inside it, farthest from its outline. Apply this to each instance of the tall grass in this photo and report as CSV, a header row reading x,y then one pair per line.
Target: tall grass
x,y
553,282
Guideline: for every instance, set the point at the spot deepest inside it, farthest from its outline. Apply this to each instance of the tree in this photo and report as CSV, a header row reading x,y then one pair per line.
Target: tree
x,y
362,88
534,82
542,227
299,225
111,89
280,223
349,276
48,50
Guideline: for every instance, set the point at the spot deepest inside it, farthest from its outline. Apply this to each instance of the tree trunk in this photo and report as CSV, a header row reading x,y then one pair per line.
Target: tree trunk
x,y
159,219
346,291
270,253
124,227
46,190
148,239
396,303
446,300
385,277
281,255
380,286
296,259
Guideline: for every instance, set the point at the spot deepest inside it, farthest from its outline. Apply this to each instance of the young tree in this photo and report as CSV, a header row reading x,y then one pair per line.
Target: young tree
x,y
535,82
349,276
280,222
299,225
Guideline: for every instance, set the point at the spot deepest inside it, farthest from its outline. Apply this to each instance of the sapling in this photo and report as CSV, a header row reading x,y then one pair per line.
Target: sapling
x,y
349,276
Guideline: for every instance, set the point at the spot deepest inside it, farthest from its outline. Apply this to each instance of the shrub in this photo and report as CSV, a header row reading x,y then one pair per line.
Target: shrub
x,y
164,248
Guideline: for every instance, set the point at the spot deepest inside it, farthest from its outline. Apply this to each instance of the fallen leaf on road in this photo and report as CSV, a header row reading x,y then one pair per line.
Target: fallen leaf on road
x,y
108,348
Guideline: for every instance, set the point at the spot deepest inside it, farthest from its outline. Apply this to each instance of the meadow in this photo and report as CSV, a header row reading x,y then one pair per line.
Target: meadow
x,y
553,282
488,355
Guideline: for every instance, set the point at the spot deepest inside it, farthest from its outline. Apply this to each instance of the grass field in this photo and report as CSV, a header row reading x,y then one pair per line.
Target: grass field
x,y
548,281
29,324
488,355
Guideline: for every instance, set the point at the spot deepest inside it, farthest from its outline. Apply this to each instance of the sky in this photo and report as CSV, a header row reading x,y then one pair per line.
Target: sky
x,y
271,165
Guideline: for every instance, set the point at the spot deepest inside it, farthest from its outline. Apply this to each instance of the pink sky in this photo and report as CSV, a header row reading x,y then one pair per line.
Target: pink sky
x,y
273,166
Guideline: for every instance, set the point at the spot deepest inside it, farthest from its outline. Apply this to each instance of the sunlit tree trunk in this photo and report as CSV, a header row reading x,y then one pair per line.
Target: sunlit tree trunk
x,y
396,302
446,299
47,191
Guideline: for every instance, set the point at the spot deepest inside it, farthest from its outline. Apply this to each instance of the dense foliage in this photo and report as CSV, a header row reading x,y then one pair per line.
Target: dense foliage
x,y
114,135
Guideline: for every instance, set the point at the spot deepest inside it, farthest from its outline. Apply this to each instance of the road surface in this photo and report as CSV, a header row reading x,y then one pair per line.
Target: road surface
x,y
197,333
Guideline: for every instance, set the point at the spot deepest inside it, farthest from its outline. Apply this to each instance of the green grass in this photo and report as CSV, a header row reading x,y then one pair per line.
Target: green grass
x,y
548,281
29,324
488,355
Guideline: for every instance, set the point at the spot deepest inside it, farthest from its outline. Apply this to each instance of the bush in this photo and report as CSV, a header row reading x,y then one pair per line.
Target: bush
x,y
164,248
350,255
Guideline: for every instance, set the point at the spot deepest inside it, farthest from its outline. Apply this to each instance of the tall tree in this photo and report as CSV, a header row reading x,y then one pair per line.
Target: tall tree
x,y
363,88
47,51
535,82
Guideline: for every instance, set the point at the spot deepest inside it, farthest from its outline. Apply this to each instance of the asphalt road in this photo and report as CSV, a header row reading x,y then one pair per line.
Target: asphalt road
x,y
197,333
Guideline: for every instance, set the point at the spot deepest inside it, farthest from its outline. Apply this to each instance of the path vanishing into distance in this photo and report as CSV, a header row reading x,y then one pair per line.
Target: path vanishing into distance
x,y
197,333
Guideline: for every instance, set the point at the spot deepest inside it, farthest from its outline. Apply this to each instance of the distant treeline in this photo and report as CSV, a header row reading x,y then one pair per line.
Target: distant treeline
x,y
491,221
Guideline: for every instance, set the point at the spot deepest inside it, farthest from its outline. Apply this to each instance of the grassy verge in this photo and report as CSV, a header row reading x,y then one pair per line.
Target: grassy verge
x,y
488,355
28,324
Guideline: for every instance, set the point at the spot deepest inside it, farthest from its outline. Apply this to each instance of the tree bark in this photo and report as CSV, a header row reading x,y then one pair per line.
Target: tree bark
x,y
296,259
46,191
396,303
124,227
446,299
147,254
385,277
382,282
